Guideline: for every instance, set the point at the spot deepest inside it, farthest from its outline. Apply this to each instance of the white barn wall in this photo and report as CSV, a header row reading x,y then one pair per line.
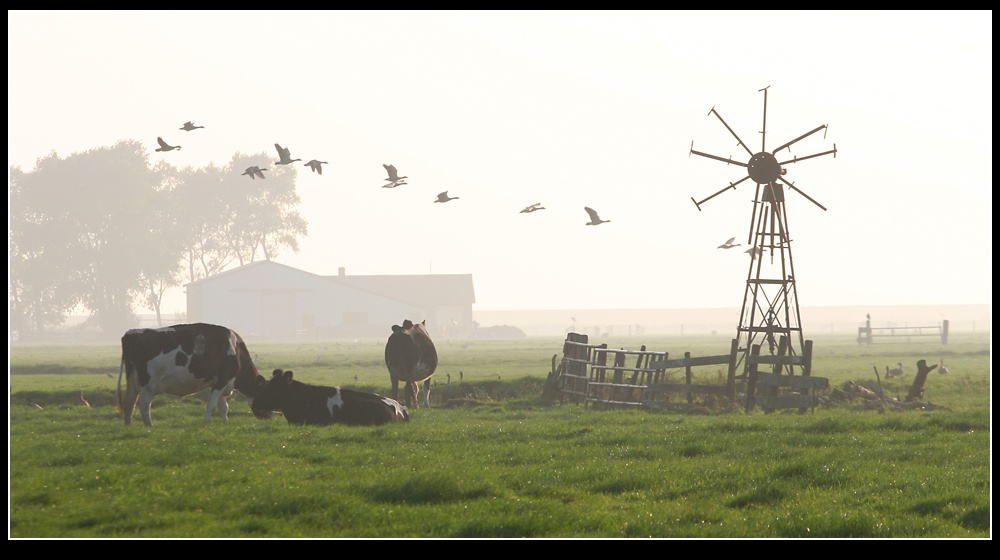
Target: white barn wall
x,y
275,301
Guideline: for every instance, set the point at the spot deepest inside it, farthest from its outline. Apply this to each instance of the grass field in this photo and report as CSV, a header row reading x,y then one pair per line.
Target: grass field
x,y
490,460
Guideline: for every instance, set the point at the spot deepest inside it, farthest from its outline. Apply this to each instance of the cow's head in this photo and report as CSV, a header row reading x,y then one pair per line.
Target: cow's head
x,y
271,392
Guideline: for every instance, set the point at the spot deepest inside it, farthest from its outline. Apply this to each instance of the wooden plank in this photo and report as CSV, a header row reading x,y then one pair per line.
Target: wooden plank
x,y
793,381
787,401
689,362
685,388
770,359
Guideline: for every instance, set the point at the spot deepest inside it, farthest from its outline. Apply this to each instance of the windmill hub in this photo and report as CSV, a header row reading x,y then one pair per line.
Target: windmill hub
x,y
764,168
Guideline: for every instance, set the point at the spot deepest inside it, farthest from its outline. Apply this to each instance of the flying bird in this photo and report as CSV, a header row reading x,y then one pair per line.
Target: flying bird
x,y
253,171
316,165
595,220
189,126
394,178
532,208
164,147
754,252
285,156
729,244
443,197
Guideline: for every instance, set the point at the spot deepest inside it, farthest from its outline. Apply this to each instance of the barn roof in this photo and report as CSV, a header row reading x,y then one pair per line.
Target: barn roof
x,y
416,289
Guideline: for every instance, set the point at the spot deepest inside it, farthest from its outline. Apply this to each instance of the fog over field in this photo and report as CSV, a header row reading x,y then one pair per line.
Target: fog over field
x,y
567,109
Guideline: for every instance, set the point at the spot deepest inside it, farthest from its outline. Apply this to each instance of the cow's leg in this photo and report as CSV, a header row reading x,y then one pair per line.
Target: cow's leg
x,y
427,392
215,399
395,388
131,396
223,407
413,394
145,401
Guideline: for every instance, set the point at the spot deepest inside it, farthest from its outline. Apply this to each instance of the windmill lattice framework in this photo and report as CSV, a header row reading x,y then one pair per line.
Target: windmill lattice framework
x,y
770,313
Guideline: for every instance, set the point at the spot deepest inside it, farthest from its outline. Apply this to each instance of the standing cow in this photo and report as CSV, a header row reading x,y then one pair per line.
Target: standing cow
x,y
301,403
411,358
182,360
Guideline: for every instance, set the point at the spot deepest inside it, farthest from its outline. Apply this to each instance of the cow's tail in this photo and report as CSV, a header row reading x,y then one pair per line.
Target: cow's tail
x,y
121,370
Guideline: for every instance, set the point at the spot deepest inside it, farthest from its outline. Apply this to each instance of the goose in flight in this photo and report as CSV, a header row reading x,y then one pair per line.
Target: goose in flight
x,y
284,155
754,252
443,197
189,126
164,147
253,171
532,208
729,244
595,220
316,165
394,179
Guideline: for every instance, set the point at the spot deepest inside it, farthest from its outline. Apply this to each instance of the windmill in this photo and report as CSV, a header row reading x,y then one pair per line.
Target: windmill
x,y
770,313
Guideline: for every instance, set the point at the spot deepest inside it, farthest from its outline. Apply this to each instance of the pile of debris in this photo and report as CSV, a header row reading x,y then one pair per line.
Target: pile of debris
x,y
872,397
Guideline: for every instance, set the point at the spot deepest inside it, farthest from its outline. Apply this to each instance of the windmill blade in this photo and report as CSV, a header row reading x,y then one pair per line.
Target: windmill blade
x,y
710,156
730,130
698,203
813,131
796,189
798,159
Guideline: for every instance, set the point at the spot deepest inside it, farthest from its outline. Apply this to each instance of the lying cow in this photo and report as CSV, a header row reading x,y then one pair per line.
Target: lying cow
x,y
182,360
302,403
411,358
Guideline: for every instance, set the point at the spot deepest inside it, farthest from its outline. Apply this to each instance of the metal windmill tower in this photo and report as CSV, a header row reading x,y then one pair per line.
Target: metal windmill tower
x,y
770,312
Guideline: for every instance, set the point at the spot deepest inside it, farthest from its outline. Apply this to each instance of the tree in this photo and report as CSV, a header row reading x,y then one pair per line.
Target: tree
x,y
230,217
88,229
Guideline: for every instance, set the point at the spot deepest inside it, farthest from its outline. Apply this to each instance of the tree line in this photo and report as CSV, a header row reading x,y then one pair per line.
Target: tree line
x,y
107,231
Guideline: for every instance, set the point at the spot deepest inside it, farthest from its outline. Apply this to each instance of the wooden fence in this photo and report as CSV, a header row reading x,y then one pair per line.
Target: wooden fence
x,y
595,375
867,334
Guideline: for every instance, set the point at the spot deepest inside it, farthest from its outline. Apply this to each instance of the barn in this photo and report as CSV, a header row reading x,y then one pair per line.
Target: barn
x,y
269,300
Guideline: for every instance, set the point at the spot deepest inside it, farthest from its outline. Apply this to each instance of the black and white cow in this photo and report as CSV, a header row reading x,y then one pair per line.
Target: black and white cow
x,y
182,360
411,358
302,403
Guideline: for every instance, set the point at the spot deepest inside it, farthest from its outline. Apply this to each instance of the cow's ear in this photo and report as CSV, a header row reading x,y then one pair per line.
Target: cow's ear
x,y
287,377
276,373
407,324
261,381
396,328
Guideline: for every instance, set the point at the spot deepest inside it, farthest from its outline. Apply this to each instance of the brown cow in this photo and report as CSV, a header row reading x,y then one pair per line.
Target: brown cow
x,y
411,358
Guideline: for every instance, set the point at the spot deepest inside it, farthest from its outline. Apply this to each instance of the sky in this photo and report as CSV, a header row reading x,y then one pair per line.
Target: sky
x,y
504,109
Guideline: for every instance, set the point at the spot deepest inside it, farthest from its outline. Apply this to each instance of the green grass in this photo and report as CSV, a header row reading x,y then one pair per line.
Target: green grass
x,y
490,460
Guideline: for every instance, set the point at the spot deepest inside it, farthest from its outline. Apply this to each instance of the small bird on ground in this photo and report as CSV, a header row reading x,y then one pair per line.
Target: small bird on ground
x,y
460,375
729,244
449,379
164,147
754,252
189,126
284,155
941,369
595,220
355,377
83,400
253,171
895,372
443,197
532,208
394,179
316,165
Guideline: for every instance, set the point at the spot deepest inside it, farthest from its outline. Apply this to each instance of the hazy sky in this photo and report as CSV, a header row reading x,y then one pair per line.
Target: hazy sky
x,y
567,108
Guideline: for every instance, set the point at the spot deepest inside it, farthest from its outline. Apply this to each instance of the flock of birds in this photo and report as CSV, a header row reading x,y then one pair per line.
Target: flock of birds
x,y
394,179
754,252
